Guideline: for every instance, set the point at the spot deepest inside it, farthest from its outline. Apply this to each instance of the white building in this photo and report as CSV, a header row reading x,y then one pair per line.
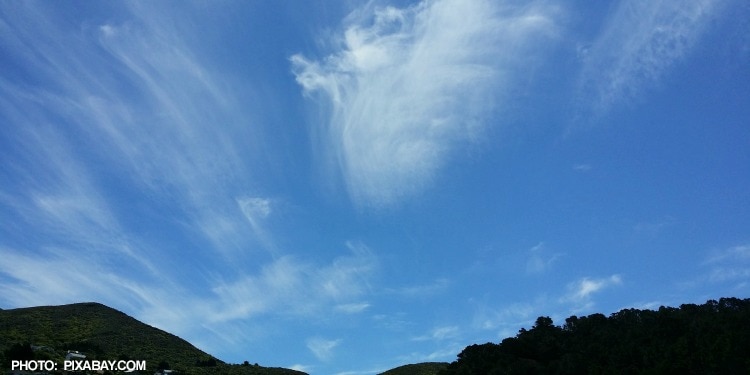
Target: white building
x,y
75,355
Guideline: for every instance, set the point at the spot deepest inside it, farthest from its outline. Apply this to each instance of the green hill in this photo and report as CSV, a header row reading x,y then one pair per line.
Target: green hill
x,y
106,334
426,368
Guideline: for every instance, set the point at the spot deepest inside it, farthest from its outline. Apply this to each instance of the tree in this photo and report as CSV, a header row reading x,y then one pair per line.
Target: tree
x,y
163,365
694,339
18,352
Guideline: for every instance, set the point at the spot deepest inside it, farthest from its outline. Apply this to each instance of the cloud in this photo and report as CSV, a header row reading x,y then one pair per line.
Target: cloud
x,y
739,253
439,334
654,228
582,167
640,41
436,287
407,86
130,161
299,288
729,266
539,261
256,210
352,308
581,291
125,105
507,318
322,348
445,353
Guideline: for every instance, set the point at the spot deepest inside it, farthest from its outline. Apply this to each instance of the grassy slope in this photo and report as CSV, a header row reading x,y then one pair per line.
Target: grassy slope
x,y
105,333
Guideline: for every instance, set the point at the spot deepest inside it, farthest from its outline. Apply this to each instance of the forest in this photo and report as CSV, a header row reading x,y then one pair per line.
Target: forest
x,y
712,338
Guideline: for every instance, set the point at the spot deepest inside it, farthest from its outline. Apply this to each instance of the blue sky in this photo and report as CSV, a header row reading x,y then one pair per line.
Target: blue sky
x,y
345,187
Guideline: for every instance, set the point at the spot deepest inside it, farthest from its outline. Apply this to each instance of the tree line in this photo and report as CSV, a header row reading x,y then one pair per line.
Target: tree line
x,y
712,338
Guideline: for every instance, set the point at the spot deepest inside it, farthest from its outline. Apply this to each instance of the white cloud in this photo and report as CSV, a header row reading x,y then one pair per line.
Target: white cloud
x,y
730,265
134,98
425,290
583,289
130,122
507,319
539,260
408,85
322,348
640,41
295,287
445,353
582,167
654,228
732,254
352,308
439,334
256,210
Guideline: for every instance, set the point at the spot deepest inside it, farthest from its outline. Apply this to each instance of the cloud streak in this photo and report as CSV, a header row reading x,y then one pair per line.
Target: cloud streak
x,y
539,261
117,124
407,86
323,349
298,288
581,291
640,41
730,266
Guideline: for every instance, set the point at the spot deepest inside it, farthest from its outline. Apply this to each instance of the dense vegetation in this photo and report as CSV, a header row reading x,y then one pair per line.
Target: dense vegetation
x,y
48,332
426,368
713,338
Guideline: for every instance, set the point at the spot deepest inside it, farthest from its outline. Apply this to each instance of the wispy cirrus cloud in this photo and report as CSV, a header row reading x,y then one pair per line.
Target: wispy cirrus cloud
x,y
580,292
444,353
439,334
540,260
730,266
352,308
424,290
640,41
296,287
506,320
115,123
407,86
132,101
323,349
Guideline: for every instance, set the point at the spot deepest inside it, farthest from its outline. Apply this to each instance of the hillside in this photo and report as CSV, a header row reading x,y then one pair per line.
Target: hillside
x,y
713,338
425,368
105,333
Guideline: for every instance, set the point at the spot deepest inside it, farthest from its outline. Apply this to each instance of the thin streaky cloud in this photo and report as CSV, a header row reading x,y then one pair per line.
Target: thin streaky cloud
x,y
433,288
736,253
129,114
297,287
352,308
583,289
540,260
407,86
728,266
582,167
256,210
323,349
439,334
640,41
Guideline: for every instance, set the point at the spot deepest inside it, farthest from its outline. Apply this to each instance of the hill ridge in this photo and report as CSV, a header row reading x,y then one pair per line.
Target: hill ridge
x,y
103,332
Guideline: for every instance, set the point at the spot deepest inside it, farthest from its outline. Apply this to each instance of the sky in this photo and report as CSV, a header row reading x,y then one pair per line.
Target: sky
x,y
343,187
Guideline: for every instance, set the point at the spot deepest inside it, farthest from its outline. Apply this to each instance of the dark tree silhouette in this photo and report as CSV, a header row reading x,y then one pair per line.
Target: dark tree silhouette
x,y
713,338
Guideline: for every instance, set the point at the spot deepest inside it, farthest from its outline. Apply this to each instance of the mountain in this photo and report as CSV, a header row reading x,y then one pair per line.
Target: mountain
x,y
426,368
101,332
